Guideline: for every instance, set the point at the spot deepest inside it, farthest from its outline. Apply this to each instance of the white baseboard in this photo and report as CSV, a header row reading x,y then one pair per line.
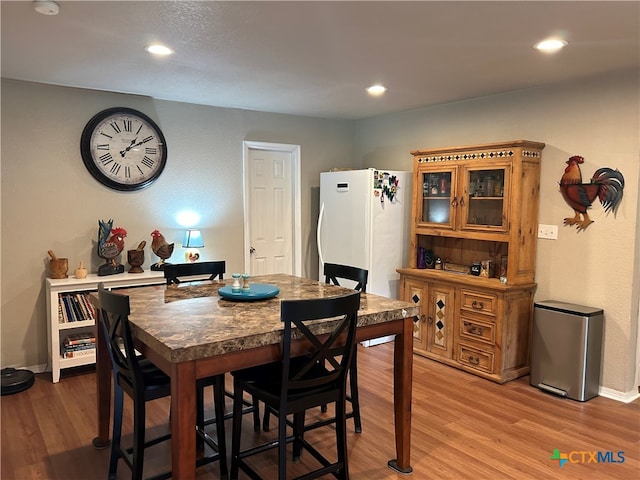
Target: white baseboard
x,y
626,397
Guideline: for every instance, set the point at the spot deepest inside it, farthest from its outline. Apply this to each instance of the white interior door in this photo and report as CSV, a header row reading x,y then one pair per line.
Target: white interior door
x,y
272,208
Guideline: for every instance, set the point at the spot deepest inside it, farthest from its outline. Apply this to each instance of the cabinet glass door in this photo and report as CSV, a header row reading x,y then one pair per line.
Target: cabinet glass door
x,y
485,206
436,205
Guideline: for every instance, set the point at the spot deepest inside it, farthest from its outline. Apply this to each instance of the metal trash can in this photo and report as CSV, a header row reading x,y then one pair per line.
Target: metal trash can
x,y
566,349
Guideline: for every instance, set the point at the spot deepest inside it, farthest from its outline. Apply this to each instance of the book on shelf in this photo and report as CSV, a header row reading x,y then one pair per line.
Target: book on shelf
x,y
77,350
86,338
62,312
88,306
68,317
86,352
80,346
74,307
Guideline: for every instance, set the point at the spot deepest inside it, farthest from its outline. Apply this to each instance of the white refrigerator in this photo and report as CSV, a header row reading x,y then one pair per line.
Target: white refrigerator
x,y
364,221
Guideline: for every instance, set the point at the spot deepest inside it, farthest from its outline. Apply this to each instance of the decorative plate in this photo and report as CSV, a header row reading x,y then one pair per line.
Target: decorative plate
x,y
257,291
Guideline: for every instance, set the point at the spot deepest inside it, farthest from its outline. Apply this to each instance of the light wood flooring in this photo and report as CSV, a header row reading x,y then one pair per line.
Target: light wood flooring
x,y
463,427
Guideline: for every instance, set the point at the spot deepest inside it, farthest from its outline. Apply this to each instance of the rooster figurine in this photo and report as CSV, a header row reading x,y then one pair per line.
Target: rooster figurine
x,y
110,245
606,185
161,248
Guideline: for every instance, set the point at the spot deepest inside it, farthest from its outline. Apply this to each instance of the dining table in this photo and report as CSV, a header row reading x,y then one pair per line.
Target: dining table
x,y
191,331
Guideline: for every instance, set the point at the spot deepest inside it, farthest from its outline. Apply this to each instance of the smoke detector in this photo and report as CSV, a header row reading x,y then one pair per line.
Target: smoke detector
x,y
46,7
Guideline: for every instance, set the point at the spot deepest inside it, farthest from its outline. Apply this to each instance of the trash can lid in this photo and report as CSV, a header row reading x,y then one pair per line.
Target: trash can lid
x,y
565,307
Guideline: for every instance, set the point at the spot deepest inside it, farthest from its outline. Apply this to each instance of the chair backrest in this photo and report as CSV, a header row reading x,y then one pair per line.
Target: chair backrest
x,y
173,272
114,320
304,372
334,271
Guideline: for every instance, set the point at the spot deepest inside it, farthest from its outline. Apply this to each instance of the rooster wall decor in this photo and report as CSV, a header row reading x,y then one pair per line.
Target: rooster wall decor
x,y
606,185
110,245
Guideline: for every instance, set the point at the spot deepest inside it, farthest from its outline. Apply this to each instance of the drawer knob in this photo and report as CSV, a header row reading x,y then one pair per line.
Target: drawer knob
x,y
474,360
430,321
454,202
477,305
475,330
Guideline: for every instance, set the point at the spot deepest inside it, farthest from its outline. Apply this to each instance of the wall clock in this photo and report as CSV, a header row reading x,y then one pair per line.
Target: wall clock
x,y
123,149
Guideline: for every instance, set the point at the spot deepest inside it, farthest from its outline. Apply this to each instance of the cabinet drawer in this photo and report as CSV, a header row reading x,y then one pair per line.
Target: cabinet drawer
x,y
476,330
475,358
478,302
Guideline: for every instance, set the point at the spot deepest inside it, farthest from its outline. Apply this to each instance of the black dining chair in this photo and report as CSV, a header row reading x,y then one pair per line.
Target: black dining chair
x,y
176,273
143,382
333,273
295,384
173,272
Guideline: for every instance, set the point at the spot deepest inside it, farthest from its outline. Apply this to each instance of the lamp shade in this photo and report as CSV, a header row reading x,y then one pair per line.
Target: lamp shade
x,y
192,239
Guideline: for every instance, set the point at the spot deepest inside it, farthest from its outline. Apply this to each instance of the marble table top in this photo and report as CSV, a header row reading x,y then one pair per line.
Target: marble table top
x,y
191,321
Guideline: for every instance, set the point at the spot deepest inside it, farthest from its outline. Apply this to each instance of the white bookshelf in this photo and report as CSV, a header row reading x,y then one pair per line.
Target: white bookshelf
x,y
57,331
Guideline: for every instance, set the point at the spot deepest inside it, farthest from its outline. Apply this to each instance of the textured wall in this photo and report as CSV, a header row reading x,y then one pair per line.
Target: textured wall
x,y
50,201
598,119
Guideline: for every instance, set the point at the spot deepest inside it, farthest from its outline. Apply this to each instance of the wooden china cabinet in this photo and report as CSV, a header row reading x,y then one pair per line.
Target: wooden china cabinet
x,y
475,209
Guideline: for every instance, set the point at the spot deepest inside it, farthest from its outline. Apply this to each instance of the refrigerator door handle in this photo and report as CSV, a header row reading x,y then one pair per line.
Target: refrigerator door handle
x,y
320,216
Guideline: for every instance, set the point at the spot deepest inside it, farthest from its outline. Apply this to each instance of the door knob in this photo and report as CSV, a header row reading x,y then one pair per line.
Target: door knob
x,y
252,250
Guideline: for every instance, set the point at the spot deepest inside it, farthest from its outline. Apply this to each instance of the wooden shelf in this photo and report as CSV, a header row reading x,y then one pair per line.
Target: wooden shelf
x,y
57,331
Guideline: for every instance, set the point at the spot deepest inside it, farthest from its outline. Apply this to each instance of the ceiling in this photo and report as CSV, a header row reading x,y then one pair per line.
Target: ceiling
x,y
316,58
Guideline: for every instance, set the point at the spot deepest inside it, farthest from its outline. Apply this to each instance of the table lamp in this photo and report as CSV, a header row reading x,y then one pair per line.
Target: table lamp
x,y
192,241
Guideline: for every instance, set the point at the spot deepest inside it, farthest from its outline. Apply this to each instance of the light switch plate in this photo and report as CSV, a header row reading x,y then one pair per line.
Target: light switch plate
x,y
548,231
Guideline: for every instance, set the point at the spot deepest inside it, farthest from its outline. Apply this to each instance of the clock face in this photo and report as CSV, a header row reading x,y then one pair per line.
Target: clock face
x,y
123,149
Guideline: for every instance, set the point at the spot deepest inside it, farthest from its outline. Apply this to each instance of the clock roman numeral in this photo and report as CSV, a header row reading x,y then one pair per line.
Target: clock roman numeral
x,y
104,134
115,168
127,125
127,172
148,162
115,126
106,159
139,169
139,128
150,151
102,146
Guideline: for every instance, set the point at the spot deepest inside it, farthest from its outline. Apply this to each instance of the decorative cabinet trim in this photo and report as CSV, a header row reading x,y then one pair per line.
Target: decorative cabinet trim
x,y
477,156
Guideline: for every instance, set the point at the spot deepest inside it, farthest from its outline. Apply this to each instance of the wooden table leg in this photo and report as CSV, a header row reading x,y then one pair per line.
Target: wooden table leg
x,y
402,386
103,389
183,421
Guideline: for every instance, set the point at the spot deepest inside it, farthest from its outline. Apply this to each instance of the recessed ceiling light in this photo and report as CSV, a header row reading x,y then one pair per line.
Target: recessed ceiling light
x,y
550,45
158,49
376,90
46,7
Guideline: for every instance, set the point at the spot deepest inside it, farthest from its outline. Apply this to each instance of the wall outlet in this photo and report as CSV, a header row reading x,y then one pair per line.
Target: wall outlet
x,y
548,231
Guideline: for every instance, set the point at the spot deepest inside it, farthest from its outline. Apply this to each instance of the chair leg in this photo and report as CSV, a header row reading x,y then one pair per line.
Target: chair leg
x,y
118,406
298,434
265,419
236,430
355,398
218,399
341,438
139,412
282,444
256,414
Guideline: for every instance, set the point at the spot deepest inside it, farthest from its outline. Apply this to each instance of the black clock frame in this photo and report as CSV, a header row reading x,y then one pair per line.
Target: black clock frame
x,y
90,162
